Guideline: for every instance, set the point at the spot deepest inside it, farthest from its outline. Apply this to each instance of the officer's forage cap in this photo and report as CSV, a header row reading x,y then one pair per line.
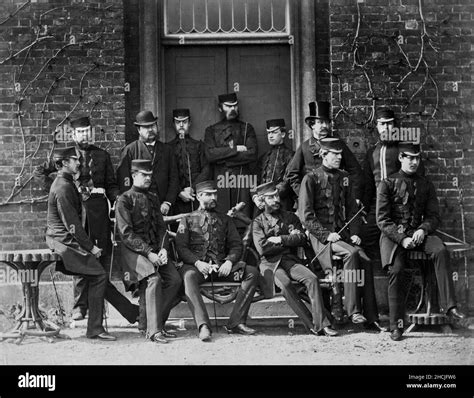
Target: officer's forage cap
x,y
409,148
275,124
228,99
142,165
181,114
65,153
331,144
384,114
318,110
206,186
79,122
266,189
145,118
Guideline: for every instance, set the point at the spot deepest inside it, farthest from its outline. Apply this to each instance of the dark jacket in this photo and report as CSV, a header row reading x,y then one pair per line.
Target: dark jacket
x,y
306,159
65,234
165,171
380,162
208,235
327,202
142,230
271,166
405,203
286,225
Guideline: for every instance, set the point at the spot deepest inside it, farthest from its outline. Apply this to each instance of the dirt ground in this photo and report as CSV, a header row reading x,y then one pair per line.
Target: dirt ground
x,y
273,345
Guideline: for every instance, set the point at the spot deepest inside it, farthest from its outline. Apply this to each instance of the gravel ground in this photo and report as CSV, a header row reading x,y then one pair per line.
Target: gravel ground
x,y
275,345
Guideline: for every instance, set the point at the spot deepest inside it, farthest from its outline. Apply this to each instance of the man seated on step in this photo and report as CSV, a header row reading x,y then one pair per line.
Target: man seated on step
x,y
144,251
209,244
277,234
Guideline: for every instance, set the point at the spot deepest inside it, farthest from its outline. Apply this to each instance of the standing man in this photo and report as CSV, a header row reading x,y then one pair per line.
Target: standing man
x,y
191,161
408,215
277,234
231,149
380,162
272,164
306,158
144,251
95,181
66,236
210,246
326,203
165,171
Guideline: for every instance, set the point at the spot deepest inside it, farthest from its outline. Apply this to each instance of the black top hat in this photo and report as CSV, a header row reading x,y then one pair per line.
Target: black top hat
x,y
268,188
275,124
145,118
228,99
206,186
181,114
409,148
318,110
79,122
65,153
331,144
142,165
384,114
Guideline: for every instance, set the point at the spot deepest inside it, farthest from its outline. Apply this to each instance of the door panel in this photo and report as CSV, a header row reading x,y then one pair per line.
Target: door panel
x,y
195,76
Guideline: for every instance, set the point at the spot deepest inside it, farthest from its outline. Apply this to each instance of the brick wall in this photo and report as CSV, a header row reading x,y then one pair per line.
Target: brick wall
x,y
446,137
25,87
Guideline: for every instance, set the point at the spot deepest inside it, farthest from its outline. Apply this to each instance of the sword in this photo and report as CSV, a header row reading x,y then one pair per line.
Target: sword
x,y
213,301
57,297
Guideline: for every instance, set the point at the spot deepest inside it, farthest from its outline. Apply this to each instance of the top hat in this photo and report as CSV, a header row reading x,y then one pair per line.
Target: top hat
x,y
181,114
318,110
79,122
384,114
331,144
206,186
142,165
65,153
228,99
409,148
145,118
266,189
275,124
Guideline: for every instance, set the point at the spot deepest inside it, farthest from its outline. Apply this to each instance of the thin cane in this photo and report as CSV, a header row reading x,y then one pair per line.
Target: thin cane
x,y
241,167
57,297
213,301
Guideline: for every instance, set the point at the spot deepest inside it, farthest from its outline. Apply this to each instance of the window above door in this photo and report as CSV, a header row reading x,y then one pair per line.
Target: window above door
x,y
194,21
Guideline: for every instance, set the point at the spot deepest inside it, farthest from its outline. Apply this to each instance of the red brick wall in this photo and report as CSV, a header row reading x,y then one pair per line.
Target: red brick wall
x,y
22,225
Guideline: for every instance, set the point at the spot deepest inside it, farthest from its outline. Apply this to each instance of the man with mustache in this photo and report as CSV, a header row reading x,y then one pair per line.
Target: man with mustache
x,y
306,158
277,234
193,166
165,171
144,244
231,149
66,236
326,203
95,181
210,246
408,215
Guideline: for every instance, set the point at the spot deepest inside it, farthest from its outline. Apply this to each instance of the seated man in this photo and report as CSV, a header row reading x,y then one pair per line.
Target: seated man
x,y
66,236
209,245
408,215
326,203
144,251
276,235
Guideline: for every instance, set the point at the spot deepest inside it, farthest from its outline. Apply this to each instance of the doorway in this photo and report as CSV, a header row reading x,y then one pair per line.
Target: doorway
x,y
195,75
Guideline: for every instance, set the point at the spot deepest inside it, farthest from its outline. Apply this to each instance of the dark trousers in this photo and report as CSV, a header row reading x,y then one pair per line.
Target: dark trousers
x,y
193,278
286,272
438,254
158,295
95,301
81,292
370,235
367,292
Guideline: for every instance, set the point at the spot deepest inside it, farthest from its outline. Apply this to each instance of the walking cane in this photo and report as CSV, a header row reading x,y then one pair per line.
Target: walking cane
x,y
241,167
57,297
213,301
